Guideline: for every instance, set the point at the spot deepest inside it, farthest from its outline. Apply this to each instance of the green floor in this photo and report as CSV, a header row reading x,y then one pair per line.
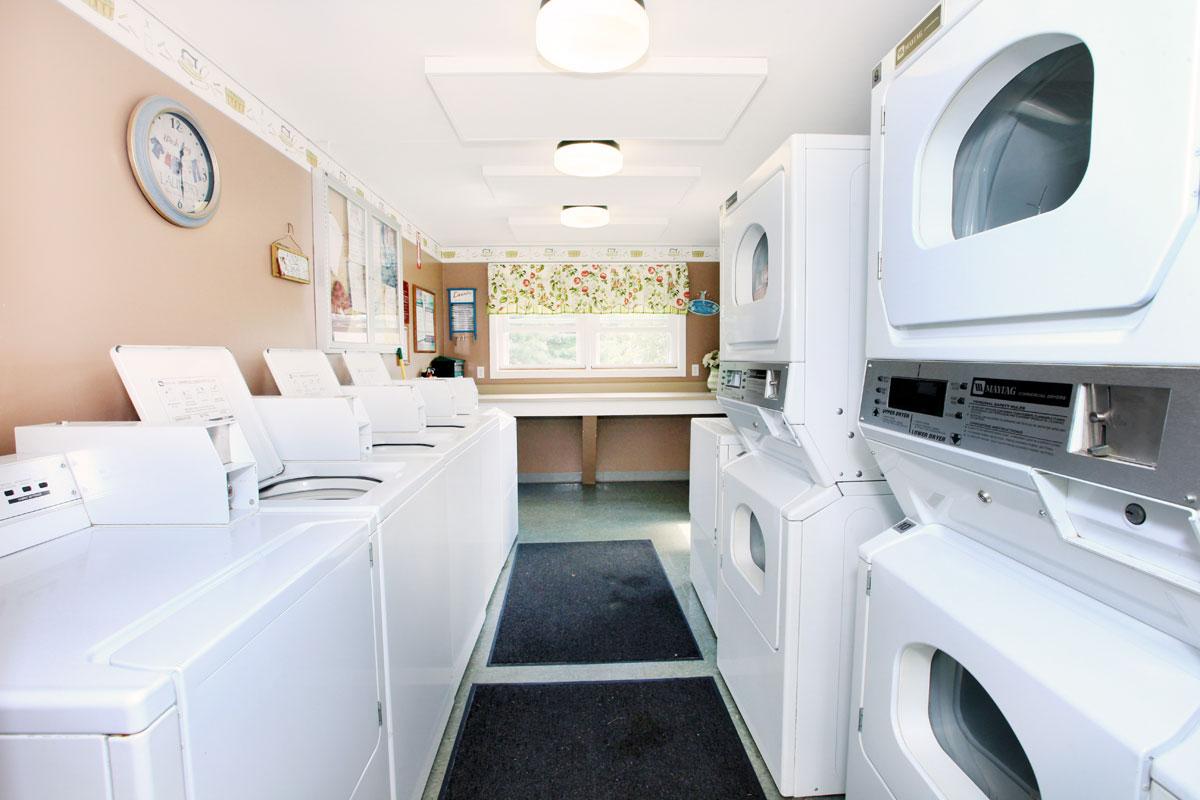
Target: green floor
x,y
574,513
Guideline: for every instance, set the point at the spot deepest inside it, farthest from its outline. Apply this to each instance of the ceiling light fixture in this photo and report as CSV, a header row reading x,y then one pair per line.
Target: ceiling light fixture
x,y
589,159
593,35
585,216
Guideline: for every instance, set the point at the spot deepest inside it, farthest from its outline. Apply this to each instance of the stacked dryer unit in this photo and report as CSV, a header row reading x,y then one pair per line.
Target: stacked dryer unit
x,y
1031,630
795,509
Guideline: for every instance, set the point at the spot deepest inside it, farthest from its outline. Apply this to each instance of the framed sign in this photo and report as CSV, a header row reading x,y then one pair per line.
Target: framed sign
x,y
290,265
462,312
424,320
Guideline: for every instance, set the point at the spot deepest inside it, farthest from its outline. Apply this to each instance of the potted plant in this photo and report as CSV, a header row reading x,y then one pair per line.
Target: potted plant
x,y
712,362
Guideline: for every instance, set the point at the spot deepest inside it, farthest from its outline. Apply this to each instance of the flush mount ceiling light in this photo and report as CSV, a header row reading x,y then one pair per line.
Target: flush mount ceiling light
x,y
589,159
593,35
585,216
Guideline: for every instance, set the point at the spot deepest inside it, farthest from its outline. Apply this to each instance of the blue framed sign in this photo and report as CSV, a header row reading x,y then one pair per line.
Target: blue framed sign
x,y
461,307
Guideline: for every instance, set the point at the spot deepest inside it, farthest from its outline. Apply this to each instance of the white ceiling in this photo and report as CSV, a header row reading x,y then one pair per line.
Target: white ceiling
x,y
351,76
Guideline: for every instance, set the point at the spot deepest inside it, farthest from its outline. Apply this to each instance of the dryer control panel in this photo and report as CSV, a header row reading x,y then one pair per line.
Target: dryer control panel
x,y
760,384
1129,427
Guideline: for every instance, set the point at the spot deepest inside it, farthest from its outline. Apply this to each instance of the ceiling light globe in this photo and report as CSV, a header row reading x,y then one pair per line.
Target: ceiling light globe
x,y
593,36
585,216
589,159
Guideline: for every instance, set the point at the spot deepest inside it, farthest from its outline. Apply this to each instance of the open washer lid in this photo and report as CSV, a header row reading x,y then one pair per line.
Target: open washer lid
x,y
191,384
367,369
302,373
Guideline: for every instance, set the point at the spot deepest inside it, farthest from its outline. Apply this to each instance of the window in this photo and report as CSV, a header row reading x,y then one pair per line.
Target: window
x,y
588,320
358,271
588,345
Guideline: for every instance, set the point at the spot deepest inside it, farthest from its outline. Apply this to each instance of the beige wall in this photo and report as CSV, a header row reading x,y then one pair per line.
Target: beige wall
x,y
87,263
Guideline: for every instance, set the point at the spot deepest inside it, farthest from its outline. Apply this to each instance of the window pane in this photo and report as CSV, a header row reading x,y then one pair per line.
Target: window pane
x,y
1027,152
348,269
542,342
634,341
385,294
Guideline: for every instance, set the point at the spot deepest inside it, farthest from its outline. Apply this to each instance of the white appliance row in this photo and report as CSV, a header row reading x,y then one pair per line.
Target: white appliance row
x,y
1032,629
429,564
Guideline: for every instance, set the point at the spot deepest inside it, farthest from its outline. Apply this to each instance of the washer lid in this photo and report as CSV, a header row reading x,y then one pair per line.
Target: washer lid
x,y
367,369
189,384
302,373
95,623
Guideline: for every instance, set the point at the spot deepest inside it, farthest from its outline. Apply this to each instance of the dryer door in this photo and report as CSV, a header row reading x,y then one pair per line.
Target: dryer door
x,y
984,680
1047,145
753,550
752,269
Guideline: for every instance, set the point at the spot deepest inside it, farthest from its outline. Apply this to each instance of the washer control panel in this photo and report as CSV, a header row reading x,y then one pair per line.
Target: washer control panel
x,y
32,484
1136,428
759,384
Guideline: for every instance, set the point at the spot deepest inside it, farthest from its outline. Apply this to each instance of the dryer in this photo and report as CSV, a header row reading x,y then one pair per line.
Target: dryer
x,y
714,444
1038,430
438,559
808,493
151,656
1033,178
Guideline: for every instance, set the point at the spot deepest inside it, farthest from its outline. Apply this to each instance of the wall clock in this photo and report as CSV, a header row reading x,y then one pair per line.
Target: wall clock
x,y
173,163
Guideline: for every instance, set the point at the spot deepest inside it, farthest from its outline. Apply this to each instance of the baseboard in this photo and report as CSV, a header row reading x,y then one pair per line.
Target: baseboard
x,y
550,477
602,477
637,477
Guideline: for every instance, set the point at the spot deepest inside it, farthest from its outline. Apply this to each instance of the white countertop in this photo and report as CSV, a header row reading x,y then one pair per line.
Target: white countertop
x,y
604,404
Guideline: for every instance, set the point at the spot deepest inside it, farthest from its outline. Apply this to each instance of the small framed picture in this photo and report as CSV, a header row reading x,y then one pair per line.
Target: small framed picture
x,y
425,320
290,264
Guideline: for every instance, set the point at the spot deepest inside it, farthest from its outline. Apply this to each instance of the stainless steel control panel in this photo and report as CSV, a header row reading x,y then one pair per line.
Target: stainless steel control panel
x,y
1133,428
759,384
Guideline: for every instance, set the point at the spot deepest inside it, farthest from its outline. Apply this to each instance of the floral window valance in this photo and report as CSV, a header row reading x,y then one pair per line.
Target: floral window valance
x,y
588,288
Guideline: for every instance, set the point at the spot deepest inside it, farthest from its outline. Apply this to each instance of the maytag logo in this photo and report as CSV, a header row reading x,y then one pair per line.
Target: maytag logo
x,y
984,389
1046,394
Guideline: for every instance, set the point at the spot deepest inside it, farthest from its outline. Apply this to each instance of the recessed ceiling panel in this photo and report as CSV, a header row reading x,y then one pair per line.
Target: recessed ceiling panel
x,y
647,187
540,230
521,99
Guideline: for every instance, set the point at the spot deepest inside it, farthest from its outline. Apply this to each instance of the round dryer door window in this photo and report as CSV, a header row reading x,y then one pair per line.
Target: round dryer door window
x,y
753,265
1027,151
972,730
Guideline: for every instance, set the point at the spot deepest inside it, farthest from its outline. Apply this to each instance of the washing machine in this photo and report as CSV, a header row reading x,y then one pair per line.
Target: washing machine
x,y
164,655
451,403
400,406
398,412
714,444
439,557
794,510
447,400
1015,630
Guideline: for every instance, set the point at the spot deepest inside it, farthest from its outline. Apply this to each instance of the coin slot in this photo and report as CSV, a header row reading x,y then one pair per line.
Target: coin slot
x,y
1124,423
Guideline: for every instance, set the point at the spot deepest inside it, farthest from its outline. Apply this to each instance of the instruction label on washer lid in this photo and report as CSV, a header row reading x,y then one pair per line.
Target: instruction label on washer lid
x,y
303,384
198,399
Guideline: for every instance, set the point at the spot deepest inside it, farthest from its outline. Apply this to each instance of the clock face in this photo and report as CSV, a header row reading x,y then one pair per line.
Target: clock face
x,y
172,162
181,164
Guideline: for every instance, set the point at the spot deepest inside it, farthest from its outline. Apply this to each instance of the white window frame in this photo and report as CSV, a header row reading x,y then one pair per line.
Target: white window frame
x,y
322,182
498,328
